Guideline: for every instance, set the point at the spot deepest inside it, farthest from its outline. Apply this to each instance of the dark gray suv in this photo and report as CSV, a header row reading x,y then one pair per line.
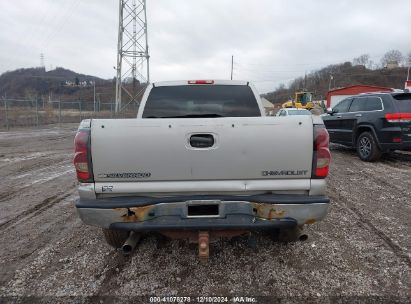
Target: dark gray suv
x,y
374,123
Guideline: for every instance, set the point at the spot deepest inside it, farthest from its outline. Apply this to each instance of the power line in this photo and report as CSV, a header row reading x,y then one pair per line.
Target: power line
x,y
65,17
41,43
35,34
307,63
270,71
273,80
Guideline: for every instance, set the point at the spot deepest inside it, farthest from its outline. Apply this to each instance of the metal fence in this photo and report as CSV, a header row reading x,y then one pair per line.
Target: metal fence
x,y
25,112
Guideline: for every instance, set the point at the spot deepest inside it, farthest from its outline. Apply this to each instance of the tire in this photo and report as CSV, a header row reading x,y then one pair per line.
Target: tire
x,y
367,148
115,238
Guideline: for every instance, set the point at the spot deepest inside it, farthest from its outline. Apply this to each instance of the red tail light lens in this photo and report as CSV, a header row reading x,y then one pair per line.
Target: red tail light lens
x,y
82,160
81,164
398,117
321,154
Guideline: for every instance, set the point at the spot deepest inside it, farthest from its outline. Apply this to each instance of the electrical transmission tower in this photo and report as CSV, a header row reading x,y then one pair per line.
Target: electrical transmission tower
x,y
42,60
132,52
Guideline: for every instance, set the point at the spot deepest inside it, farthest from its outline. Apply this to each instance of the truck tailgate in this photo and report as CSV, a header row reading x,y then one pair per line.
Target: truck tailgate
x,y
149,151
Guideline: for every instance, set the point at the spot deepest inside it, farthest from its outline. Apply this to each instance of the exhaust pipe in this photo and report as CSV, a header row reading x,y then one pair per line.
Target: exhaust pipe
x,y
130,243
303,237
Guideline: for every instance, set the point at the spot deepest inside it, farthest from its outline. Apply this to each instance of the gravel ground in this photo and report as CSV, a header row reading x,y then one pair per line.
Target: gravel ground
x,y
360,252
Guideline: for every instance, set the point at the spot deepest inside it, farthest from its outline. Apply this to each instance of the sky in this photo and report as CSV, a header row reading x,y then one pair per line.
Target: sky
x,y
272,41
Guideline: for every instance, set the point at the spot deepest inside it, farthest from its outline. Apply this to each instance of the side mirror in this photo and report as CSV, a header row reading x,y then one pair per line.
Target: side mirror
x,y
330,111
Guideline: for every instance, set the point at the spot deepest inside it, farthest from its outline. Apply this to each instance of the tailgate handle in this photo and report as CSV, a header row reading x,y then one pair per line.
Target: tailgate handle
x,y
202,140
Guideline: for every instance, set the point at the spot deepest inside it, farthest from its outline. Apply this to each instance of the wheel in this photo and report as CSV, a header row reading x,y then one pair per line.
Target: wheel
x,y
367,148
115,238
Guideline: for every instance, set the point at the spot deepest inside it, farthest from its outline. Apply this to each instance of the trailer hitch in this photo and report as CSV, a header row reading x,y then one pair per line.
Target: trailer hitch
x,y
203,246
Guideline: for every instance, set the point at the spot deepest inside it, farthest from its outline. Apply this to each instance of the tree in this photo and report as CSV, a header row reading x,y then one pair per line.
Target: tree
x,y
364,60
76,81
281,87
392,56
408,60
30,94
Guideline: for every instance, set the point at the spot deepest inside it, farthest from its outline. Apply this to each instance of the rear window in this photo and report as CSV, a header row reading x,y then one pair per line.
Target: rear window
x,y
201,101
299,112
403,102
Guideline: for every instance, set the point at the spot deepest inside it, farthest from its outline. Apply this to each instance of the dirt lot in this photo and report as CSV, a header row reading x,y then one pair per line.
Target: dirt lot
x,y
360,252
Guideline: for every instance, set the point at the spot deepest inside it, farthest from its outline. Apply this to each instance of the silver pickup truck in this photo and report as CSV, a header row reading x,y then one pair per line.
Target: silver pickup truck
x,y
200,162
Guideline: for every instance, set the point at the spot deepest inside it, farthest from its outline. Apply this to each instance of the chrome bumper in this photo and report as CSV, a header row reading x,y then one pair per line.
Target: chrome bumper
x,y
231,214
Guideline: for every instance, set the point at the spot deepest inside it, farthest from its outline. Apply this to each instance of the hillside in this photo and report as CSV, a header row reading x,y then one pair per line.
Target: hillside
x,y
60,83
66,85
345,74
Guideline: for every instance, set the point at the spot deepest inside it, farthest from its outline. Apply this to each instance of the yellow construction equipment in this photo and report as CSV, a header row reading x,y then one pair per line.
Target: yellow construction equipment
x,y
302,100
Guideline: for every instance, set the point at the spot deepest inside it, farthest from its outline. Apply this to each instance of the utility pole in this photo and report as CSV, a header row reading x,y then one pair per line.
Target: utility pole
x,y
329,83
232,66
132,51
407,85
305,80
94,95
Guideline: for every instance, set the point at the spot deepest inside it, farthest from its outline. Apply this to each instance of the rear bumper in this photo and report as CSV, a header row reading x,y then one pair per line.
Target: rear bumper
x,y
234,212
405,145
231,222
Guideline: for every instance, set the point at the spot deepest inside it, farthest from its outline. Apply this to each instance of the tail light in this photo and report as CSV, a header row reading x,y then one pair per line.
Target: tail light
x,y
82,156
321,154
398,117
